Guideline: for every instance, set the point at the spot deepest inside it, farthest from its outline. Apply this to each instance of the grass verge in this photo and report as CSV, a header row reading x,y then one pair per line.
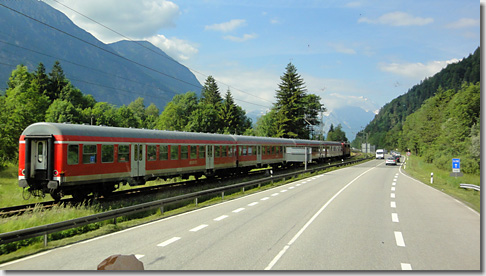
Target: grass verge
x,y
421,170
12,251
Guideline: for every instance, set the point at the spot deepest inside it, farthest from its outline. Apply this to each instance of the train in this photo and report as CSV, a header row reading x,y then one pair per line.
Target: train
x,y
74,159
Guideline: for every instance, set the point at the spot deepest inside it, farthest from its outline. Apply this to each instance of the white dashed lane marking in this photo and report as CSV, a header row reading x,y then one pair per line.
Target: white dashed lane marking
x,y
399,239
169,241
253,203
265,198
220,218
394,217
238,210
393,204
406,266
392,195
202,226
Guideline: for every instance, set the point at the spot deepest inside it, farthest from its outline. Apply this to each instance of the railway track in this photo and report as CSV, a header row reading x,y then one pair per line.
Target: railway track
x,y
124,194
142,191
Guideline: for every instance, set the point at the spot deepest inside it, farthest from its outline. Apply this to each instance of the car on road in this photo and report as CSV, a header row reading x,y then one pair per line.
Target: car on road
x,y
390,161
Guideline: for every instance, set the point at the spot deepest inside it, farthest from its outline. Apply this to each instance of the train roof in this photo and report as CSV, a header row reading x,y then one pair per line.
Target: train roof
x,y
64,131
74,130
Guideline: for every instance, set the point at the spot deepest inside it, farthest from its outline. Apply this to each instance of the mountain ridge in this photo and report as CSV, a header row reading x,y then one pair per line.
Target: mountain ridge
x,y
95,69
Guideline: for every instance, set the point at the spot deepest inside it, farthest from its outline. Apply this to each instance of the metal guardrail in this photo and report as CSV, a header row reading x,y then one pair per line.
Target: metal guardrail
x,y
470,186
44,230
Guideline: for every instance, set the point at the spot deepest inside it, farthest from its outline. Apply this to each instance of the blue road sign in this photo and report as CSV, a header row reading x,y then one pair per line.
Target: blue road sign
x,y
456,164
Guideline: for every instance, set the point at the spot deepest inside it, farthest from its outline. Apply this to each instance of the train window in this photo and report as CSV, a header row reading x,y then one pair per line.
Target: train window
x,y
225,151
107,153
123,153
174,152
73,155
40,152
245,150
202,152
250,150
217,151
163,152
151,153
193,152
89,154
184,152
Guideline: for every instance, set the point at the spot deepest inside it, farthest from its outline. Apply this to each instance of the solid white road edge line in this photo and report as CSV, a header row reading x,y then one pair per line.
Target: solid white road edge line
x,y
286,247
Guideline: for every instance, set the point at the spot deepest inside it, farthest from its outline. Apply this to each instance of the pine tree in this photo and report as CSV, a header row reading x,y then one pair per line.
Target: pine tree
x,y
290,105
210,92
57,81
228,114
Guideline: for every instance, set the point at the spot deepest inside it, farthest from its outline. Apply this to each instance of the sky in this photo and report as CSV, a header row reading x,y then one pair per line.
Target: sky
x,y
360,53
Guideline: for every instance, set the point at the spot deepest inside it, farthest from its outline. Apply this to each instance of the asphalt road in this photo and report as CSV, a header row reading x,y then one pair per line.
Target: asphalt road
x,y
366,217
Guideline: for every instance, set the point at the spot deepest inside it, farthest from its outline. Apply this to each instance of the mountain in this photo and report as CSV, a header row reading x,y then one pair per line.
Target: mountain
x,y
351,118
384,128
116,73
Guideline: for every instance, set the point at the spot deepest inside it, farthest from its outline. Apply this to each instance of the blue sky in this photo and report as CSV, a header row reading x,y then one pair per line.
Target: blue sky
x,y
359,52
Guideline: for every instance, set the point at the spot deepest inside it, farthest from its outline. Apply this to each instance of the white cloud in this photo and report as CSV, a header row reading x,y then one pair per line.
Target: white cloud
x,y
244,38
341,48
397,19
354,4
226,26
464,23
416,71
179,49
134,19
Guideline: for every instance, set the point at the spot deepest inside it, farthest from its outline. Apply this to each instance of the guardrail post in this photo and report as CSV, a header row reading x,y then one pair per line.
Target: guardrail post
x,y
222,195
114,220
195,201
45,239
243,190
161,209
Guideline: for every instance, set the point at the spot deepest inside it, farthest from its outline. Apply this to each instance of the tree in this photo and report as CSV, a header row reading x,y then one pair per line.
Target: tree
x,y
62,111
291,105
210,92
57,81
265,125
127,117
336,134
138,109
228,114
151,114
177,113
23,105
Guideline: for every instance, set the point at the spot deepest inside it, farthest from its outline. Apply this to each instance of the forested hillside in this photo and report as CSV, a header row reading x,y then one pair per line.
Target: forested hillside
x,y
446,126
385,129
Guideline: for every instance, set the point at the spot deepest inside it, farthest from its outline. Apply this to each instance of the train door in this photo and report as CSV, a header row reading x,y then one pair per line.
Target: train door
x,y
209,157
39,159
138,160
259,154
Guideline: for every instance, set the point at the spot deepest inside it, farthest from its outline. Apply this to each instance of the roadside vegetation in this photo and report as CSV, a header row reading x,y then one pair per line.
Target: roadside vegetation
x,y
39,217
418,168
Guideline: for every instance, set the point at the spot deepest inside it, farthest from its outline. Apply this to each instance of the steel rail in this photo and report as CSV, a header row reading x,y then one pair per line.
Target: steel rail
x,y
113,214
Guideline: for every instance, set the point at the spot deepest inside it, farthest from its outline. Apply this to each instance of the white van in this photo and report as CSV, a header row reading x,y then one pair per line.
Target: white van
x,y
380,154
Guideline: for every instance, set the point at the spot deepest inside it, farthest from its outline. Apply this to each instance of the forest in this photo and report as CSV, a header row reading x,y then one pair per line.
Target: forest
x,y
447,126
438,119
384,129
39,96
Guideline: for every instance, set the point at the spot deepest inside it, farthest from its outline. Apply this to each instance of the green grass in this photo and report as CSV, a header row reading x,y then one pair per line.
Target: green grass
x,y
38,216
421,170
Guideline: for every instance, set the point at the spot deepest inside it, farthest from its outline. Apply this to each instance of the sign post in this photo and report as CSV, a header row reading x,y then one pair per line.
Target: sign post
x,y
456,167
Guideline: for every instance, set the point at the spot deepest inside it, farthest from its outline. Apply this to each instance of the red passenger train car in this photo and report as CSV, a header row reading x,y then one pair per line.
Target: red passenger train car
x,y
68,159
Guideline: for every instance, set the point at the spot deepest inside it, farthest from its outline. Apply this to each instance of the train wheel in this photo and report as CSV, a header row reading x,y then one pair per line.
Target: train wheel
x,y
56,195
79,195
